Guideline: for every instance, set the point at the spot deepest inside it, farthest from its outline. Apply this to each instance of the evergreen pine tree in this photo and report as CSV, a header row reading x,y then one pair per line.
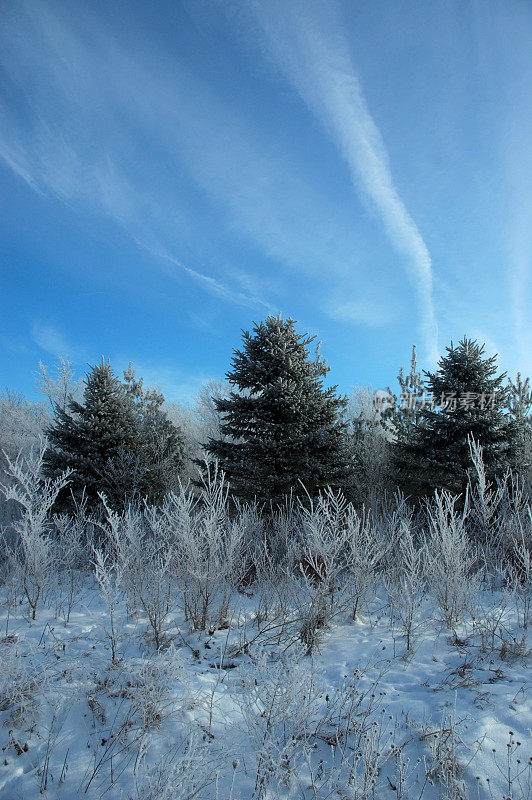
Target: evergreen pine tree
x,y
161,444
467,399
94,437
520,404
282,428
117,441
399,418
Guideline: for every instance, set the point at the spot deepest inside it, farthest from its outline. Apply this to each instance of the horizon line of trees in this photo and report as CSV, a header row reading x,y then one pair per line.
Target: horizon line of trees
x,y
274,428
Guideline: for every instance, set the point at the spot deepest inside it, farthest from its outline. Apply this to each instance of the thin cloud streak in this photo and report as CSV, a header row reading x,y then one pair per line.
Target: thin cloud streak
x,y
365,311
212,285
51,340
312,53
55,153
112,194
79,149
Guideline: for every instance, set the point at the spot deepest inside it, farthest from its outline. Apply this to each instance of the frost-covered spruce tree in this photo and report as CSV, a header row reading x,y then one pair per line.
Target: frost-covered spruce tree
x,y
92,438
161,443
400,418
118,440
284,431
467,400
520,405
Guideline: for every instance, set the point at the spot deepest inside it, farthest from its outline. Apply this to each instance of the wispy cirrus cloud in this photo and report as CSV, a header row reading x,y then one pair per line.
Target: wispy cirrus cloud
x,y
363,311
90,109
95,109
306,43
212,285
53,341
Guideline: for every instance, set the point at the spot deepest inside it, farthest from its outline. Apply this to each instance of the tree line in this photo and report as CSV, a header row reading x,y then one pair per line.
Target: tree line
x,y
276,430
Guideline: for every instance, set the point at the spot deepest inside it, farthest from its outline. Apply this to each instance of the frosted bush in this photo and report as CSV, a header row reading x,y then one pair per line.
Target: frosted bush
x,y
184,773
18,681
145,556
325,536
406,585
36,550
72,559
209,549
450,558
154,688
367,549
278,701
109,580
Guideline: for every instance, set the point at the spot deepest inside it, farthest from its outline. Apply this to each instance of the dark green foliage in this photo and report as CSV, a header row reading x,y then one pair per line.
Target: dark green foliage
x,y
402,415
161,444
117,441
520,404
464,398
92,437
282,429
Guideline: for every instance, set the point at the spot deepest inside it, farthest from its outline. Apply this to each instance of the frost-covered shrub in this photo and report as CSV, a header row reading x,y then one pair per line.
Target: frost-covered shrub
x,y
186,772
500,519
22,426
145,553
485,508
152,688
321,555
368,543
354,724
450,558
252,524
519,566
109,579
35,549
444,767
18,680
337,553
369,449
209,549
406,583
278,701
73,559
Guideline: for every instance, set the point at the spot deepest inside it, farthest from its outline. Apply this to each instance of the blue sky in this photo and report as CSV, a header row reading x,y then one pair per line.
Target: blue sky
x,y
173,171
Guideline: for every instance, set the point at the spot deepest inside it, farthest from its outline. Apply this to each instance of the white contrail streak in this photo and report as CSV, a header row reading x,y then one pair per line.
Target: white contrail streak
x,y
307,43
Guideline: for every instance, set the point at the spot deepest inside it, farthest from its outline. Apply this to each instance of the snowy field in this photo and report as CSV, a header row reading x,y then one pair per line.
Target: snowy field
x,y
245,711
202,650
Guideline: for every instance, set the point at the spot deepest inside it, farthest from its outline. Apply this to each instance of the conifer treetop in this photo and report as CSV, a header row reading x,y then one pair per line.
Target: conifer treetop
x,y
434,451
282,429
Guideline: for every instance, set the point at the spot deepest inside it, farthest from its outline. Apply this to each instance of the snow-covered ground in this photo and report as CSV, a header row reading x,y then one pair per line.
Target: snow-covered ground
x,y
246,712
